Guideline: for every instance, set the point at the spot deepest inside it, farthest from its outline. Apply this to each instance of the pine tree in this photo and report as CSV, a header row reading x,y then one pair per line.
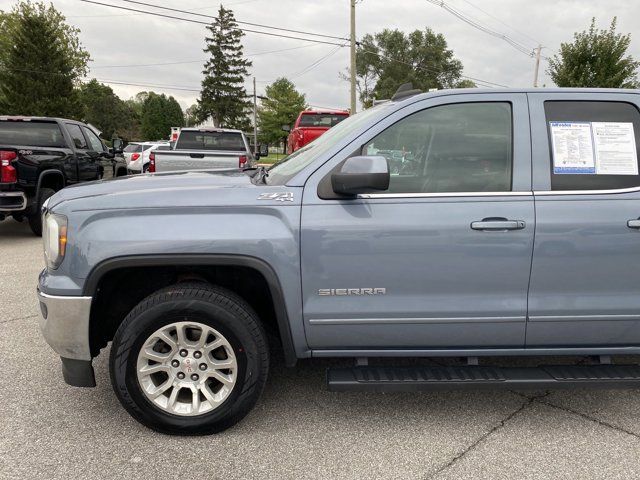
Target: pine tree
x,y
223,98
41,62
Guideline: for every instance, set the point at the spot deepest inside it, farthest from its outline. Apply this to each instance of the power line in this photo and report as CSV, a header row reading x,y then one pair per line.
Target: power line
x,y
195,61
520,32
208,23
474,23
138,14
177,10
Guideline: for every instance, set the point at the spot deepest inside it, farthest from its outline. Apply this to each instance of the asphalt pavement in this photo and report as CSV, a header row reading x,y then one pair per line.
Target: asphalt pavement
x,y
298,429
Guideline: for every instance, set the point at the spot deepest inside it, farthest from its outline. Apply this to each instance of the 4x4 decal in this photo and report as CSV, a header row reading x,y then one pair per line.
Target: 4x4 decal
x,y
278,197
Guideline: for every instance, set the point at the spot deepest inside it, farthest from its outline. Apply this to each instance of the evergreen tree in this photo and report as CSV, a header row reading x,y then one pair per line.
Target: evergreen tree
x,y
595,59
158,114
41,62
104,109
223,98
281,107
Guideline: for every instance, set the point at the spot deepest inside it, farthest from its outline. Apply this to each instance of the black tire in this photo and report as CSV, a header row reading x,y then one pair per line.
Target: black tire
x,y
35,219
219,308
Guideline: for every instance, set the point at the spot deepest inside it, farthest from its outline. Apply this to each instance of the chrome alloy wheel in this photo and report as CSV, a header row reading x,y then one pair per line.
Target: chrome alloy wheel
x,y
187,368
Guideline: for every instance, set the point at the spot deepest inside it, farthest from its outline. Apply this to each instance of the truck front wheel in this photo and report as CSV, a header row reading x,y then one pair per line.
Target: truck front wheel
x,y
190,359
35,219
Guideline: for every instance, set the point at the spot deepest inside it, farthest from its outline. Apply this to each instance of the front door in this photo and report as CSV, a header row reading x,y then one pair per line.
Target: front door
x,y
86,161
442,258
585,279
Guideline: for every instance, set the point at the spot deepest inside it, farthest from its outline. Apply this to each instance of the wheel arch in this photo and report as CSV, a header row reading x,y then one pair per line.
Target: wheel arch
x,y
96,275
53,179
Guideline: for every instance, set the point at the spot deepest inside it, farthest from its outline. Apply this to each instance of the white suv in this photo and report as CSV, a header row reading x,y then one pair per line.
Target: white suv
x,y
137,155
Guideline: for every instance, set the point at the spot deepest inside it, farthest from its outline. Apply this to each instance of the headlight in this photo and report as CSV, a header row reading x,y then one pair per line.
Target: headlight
x,y
54,235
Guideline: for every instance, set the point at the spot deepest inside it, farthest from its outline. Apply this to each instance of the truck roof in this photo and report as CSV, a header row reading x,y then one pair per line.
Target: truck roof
x,y
210,129
25,118
331,112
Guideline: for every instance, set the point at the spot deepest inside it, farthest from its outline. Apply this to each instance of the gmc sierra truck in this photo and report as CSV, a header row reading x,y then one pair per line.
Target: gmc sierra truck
x,y
39,156
203,148
310,124
514,231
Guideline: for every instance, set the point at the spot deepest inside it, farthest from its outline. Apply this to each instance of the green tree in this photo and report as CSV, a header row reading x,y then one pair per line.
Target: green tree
x,y
105,110
41,62
223,98
596,58
388,59
281,107
158,114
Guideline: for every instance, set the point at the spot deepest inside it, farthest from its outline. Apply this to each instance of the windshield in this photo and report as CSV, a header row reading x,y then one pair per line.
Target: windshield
x,y
321,119
284,170
33,134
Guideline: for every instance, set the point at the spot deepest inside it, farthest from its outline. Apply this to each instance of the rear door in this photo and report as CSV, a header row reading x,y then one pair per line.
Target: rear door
x,y
585,281
87,163
441,259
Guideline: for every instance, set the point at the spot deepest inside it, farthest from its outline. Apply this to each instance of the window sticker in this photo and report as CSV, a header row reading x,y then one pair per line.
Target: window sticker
x,y
615,148
572,148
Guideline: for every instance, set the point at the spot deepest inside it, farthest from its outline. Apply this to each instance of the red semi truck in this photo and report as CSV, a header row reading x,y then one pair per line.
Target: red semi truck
x,y
311,124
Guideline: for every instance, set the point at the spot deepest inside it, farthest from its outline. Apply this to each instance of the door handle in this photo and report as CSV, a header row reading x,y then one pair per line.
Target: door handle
x,y
498,224
634,223
196,155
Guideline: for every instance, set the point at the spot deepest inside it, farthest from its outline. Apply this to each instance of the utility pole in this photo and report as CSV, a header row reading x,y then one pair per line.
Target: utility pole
x,y
535,75
255,119
353,56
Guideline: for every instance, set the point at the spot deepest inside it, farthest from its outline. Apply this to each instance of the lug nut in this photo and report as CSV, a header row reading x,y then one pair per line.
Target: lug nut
x,y
183,353
197,354
180,375
194,377
175,364
203,366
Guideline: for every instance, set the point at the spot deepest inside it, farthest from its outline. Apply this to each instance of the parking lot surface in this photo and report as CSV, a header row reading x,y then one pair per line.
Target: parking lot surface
x,y
298,429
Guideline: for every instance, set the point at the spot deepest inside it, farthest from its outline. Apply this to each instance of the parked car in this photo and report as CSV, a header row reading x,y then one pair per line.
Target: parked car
x,y
202,149
310,124
138,155
39,156
516,233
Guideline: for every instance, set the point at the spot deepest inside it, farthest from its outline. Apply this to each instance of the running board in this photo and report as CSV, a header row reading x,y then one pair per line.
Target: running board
x,y
411,379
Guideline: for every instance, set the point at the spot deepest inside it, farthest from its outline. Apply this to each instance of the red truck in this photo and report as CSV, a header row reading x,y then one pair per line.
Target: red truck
x,y
311,124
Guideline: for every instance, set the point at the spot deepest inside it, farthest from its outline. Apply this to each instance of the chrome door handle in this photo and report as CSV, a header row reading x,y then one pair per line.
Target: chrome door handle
x,y
634,223
498,224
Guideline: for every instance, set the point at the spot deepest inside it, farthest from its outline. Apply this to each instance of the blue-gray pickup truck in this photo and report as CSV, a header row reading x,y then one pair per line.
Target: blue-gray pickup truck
x,y
462,223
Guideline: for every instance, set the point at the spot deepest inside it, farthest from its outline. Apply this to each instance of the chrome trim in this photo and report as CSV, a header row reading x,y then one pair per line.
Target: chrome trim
x,y
444,195
582,318
401,321
478,352
586,192
64,322
14,194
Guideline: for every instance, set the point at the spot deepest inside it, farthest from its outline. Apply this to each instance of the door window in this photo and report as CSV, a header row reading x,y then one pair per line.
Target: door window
x,y
94,141
593,145
465,147
76,136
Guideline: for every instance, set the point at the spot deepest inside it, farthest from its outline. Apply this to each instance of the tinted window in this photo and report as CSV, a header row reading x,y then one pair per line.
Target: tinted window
x,y
32,134
94,141
464,147
226,141
320,120
133,147
146,147
163,147
593,145
76,136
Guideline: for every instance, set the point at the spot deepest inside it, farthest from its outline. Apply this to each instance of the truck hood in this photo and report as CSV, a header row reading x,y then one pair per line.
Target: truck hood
x,y
192,188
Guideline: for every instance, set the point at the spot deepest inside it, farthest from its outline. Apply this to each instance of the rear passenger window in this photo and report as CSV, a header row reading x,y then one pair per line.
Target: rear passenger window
x,y
465,147
593,145
76,136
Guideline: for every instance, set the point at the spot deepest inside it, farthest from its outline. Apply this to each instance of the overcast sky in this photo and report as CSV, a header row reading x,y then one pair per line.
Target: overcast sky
x,y
118,39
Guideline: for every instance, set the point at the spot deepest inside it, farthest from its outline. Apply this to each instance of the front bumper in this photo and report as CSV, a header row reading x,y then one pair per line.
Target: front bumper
x,y
12,201
64,322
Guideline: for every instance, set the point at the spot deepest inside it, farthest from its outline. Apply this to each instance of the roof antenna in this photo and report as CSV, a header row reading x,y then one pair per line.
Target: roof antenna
x,y
405,90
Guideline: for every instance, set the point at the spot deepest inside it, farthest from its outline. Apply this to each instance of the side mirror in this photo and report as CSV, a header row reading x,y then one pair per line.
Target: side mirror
x,y
117,144
362,174
264,149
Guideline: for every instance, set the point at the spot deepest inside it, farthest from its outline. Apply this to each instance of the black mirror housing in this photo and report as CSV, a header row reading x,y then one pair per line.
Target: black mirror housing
x,y
361,174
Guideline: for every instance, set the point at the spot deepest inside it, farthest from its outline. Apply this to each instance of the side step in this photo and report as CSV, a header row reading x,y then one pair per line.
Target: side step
x,y
411,379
